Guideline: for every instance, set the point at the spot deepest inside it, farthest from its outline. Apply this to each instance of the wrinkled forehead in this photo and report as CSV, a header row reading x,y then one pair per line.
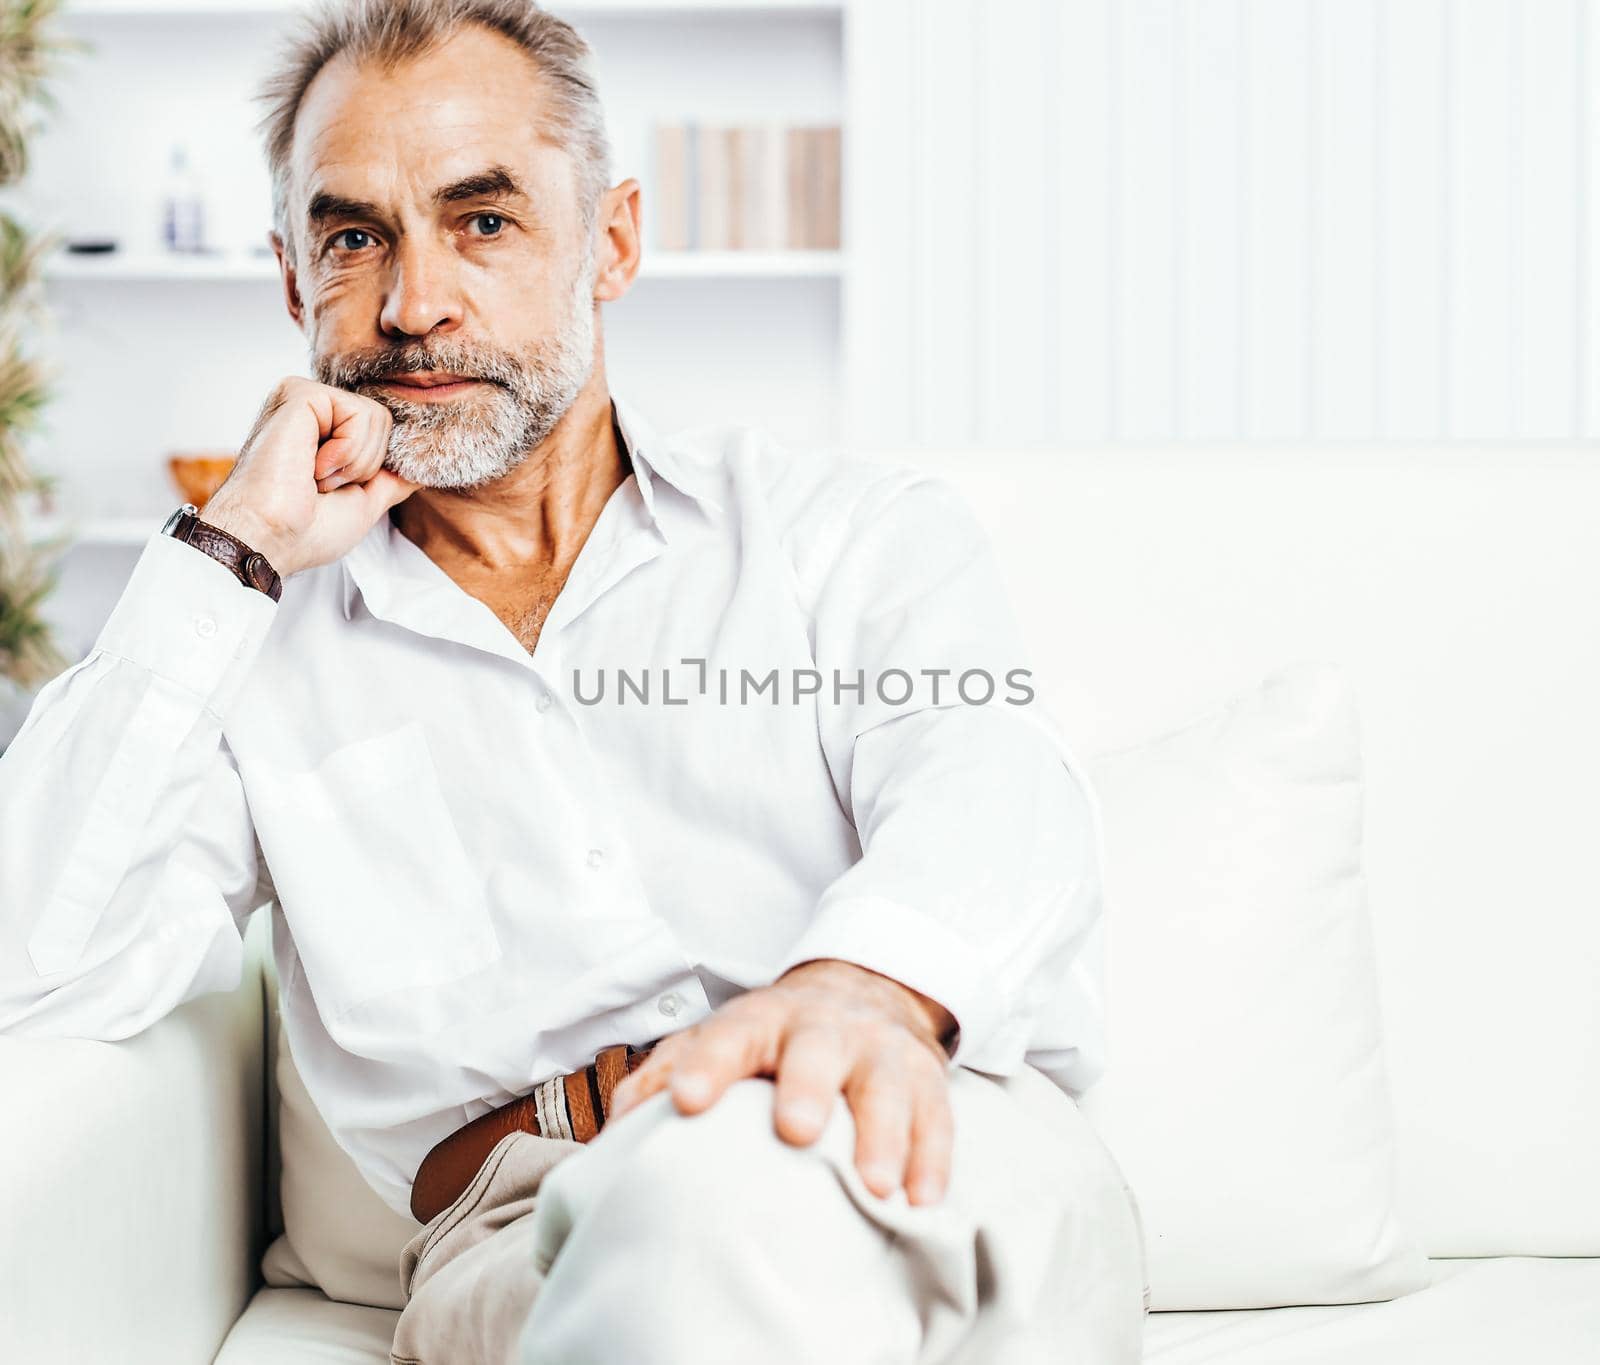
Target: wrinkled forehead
x,y
393,134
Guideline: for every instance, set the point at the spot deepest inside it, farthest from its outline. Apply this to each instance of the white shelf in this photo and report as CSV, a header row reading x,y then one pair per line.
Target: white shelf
x,y
704,265
96,530
120,265
669,265
576,9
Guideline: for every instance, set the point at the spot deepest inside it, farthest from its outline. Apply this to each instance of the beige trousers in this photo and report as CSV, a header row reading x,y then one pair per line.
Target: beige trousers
x,y
708,1238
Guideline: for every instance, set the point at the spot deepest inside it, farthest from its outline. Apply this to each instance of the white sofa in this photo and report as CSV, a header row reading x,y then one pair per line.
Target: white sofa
x,y
1458,589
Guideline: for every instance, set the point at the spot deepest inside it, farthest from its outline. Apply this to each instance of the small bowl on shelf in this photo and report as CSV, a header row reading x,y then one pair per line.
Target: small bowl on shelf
x,y
199,474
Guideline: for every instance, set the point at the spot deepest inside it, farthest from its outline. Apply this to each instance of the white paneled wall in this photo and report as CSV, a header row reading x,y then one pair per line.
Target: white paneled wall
x,y
1222,220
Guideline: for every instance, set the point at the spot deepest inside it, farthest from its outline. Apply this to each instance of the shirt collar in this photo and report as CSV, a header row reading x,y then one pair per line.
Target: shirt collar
x,y
375,561
654,457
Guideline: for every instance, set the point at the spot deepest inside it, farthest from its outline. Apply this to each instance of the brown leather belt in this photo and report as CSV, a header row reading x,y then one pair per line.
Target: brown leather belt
x,y
573,1105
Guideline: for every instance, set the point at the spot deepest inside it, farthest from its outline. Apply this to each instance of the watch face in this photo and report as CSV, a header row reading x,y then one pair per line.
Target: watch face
x,y
188,509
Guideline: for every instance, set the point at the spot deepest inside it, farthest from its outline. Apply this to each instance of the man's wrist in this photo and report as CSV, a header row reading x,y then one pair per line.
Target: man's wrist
x,y
945,1027
942,1025
243,524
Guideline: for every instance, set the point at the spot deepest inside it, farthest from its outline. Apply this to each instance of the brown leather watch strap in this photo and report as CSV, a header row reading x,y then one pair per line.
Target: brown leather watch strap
x,y
248,565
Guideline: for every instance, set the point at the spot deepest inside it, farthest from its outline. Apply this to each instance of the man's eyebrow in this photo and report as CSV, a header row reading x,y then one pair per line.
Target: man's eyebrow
x,y
326,206
496,182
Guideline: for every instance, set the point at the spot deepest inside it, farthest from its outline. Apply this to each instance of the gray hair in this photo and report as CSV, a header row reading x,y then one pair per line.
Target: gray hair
x,y
392,31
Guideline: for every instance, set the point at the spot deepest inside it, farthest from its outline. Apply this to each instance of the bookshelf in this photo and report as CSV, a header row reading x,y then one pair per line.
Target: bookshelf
x,y
158,353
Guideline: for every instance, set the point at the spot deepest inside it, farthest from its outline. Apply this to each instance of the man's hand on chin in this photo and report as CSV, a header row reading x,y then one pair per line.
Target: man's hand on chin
x,y
825,1027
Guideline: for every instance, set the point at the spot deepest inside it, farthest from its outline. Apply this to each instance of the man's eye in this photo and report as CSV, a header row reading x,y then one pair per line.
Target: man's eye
x,y
488,224
351,239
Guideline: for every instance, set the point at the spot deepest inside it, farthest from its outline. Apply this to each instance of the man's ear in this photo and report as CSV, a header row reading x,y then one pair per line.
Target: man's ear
x,y
291,290
618,250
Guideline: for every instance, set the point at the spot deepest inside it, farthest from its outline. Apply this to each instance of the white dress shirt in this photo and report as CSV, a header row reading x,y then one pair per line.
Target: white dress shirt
x,y
480,875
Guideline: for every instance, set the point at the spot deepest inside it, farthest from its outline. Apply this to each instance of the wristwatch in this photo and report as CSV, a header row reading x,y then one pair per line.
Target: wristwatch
x,y
249,566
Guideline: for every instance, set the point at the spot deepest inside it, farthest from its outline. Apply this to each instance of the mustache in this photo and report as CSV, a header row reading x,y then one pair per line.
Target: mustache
x,y
355,369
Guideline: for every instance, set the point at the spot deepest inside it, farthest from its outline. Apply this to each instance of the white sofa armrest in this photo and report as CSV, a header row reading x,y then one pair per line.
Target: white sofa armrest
x,y
131,1184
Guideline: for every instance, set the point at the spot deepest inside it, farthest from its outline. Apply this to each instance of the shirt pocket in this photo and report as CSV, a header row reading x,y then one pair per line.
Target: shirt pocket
x,y
377,886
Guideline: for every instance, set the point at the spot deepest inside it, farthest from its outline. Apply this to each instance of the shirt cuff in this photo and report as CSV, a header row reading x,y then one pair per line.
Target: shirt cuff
x,y
914,949
186,618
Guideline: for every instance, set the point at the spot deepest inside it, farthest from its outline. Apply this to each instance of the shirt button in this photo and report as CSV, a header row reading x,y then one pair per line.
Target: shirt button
x,y
670,1003
204,625
596,857
542,702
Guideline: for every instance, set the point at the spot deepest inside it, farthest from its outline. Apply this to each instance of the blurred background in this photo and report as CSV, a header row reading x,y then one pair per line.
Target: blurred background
x,y
889,224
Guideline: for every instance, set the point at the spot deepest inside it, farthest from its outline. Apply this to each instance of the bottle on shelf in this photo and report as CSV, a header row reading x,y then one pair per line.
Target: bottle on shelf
x,y
183,226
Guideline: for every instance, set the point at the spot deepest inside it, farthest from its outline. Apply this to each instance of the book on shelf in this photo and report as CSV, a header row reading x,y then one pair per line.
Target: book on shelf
x,y
747,187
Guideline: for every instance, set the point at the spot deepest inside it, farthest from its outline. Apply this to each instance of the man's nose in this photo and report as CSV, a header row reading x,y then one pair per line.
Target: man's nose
x,y
423,294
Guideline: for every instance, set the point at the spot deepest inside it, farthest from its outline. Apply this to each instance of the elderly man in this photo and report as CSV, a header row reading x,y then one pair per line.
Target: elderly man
x,y
681,908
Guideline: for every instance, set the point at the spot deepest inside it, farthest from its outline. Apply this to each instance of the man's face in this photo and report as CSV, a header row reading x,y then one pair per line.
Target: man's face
x,y
441,262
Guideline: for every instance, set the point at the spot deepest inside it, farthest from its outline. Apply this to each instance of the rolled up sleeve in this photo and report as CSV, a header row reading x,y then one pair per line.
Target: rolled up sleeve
x,y
979,876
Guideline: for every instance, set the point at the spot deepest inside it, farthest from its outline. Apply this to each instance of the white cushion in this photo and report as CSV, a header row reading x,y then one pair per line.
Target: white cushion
x,y
294,1326
1456,589
338,1236
1542,1310
1245,1093
1538,1310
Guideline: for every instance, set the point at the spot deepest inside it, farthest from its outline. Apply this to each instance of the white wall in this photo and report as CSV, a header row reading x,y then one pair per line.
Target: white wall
x,y
1222,221
1066,220
1185,222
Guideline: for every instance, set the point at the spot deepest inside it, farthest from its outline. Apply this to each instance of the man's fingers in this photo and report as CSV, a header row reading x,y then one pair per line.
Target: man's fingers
x,y
897,1090
702,1061
333,456
376,425
881,1101
729,1046
811,1073
637,1087
388,488
358,448
932,1145
649,1076
354,437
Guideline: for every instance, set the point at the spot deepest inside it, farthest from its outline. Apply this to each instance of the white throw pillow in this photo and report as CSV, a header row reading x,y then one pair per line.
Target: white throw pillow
x,y
338,1236
1245,1094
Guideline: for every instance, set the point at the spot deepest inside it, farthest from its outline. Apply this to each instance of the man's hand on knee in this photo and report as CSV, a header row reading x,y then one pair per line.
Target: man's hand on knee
x,y
822,1028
